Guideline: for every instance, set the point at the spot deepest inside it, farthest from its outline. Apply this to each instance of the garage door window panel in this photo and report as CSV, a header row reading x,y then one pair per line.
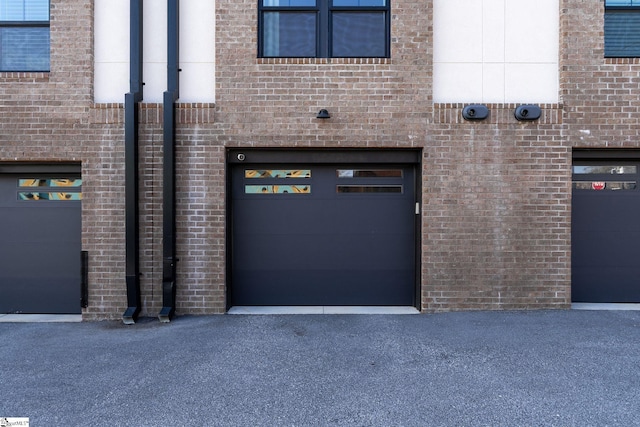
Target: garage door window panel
x,y
271,181
604,185
50,182
364,181
277,189
40,196
605,177
277,173
369,189
49,189
369,173
605,170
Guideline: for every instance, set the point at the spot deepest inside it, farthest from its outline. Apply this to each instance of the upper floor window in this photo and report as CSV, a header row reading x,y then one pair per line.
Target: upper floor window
x,y
622,28
24,35
324,28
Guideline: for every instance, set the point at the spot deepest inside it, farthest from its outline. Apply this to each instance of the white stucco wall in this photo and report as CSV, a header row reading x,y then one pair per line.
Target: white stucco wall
x,y
111,50
197,50
496,51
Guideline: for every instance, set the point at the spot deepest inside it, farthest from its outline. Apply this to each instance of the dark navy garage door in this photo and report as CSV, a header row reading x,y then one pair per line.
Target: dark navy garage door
x,y
40,246
606,231
317,233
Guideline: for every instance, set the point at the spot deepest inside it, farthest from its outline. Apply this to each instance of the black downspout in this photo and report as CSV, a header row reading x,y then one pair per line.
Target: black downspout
x,y
169,259
131,101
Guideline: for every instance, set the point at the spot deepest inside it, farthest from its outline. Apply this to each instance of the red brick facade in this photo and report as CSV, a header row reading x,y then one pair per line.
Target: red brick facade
x,y
496,194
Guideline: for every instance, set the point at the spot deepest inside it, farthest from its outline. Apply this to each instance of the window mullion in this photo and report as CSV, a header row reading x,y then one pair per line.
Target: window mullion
x,y
25,24
324,29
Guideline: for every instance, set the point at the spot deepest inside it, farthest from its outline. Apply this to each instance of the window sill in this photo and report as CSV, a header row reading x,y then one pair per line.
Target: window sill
x,y
317,61
24,77
622,61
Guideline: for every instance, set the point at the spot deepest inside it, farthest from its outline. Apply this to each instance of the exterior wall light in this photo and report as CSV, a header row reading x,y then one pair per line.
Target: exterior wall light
x,y
323,114
475,112
527,112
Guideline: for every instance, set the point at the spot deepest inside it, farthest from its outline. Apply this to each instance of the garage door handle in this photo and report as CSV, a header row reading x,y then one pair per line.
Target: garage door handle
x,y
417,208
84,279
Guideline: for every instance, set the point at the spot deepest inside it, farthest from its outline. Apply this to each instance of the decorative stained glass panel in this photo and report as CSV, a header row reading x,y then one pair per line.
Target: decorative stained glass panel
x,y
50,182
23,195
277,173
277,189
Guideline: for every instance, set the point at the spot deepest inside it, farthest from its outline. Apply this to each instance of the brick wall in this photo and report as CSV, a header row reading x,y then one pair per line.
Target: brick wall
x,y
496,194
200,213
273,102
497,212
600,95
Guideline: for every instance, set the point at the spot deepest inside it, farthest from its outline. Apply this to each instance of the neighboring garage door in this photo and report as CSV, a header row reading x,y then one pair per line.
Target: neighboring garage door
x,y
606,231
40,246
340,233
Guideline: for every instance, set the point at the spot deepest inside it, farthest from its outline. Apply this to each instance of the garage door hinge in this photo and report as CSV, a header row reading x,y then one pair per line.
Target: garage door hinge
x,y
417,208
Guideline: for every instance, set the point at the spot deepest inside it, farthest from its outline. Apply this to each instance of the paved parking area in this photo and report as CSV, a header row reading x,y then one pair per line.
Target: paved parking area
x,y
538,368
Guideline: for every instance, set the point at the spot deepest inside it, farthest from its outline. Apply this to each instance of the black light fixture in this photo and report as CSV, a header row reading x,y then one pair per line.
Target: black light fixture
x,y
527,112
475,112
323,114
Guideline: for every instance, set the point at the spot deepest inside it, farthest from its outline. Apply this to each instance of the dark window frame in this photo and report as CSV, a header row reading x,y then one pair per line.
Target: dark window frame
x,y
27,24
323,12
612,52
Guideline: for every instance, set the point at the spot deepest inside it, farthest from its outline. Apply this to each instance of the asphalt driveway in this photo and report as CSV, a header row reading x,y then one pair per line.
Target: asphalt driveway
x,y
540,368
